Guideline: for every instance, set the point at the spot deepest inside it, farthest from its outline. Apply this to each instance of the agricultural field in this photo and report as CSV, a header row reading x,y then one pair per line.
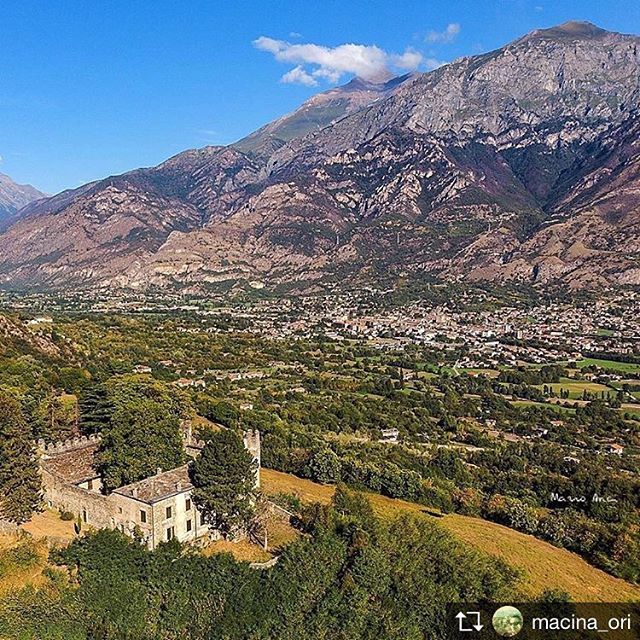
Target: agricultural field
x,y
489,373
576,388
609,365
632,409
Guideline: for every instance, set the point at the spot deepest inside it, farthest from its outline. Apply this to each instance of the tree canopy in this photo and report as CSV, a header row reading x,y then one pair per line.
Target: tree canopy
x,y
224,479
20,487
142,435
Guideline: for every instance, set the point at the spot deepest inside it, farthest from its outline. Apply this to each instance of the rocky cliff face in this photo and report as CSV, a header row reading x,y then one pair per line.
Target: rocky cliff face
x,y
318,112
15,196
519,164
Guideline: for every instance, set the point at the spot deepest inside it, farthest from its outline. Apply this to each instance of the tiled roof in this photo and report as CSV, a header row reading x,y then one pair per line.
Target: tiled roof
x,y
160,486
75,466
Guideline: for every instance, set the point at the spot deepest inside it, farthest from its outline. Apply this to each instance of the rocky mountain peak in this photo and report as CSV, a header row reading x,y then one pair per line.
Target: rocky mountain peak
x,y
575,29
14,196
381,77
320,111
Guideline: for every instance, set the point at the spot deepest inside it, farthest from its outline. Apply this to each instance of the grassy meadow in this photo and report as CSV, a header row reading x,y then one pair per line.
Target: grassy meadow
x,y
543,566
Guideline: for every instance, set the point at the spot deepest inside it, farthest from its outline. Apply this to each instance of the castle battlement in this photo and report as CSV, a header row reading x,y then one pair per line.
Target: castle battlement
x,y
63,446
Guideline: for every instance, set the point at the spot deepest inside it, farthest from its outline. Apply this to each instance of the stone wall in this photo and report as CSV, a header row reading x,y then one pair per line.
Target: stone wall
x,y
252,443
129,518
180,515
93,508
53,448
154,530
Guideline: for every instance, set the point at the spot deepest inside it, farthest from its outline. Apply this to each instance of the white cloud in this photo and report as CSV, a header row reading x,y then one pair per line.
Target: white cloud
x,y
431,63
298,75
315,62
410,59
446,36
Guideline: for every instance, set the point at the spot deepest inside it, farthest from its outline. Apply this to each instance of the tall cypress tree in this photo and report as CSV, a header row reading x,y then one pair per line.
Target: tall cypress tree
x,y
20,485
95,409
223,476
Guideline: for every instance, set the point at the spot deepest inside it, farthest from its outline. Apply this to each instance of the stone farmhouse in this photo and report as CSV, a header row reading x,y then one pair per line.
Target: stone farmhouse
x,y
158,508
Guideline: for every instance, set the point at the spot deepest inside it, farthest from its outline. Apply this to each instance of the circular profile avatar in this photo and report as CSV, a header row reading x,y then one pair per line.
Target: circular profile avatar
x,y
507,621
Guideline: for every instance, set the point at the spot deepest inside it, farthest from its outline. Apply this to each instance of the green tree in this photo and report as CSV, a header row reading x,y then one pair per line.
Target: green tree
x,y
223,477
448,423
95,409
217,410
353,507
73,379
143,436
324,466
20,488
56,416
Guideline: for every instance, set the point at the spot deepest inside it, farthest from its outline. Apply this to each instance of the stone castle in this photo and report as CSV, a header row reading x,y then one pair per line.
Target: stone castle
x,y
158,508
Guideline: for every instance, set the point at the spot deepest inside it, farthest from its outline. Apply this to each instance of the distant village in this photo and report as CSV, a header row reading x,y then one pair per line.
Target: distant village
x,y
504,335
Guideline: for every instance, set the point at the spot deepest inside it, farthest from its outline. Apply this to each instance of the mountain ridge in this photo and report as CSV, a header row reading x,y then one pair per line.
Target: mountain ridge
x,y
14,196
500,166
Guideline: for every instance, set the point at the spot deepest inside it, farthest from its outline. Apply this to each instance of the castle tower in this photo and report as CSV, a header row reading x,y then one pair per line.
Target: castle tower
x,y
252,443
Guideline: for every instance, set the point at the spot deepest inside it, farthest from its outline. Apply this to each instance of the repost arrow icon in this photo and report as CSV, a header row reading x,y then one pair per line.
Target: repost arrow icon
x,y
462,616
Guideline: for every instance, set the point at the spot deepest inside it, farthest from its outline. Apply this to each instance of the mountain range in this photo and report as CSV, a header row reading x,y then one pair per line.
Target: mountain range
x,y
519,165
14,197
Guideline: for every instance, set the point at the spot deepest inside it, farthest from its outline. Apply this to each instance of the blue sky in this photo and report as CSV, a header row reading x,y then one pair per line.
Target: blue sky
x,y
93,88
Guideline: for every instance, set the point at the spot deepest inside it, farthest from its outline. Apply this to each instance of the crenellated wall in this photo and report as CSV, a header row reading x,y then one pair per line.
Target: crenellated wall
x,y
53,448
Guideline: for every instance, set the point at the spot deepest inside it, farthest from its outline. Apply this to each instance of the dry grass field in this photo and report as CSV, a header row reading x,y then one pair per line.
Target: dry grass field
x,y
21,562
543,566
25,567
49,525
242,550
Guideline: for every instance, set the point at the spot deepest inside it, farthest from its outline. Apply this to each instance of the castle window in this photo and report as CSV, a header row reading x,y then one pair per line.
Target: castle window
x,y
169,512
90,485
84,515
188,525
187,505
170,533
143,515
